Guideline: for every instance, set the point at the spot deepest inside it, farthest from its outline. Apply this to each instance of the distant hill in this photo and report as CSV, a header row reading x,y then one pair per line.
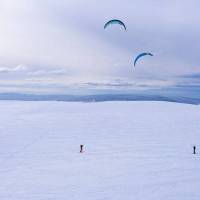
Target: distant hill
x,y
98,98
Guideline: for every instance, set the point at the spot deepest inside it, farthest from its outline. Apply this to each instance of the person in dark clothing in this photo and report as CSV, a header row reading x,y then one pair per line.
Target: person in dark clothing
x,y
81,148
194,149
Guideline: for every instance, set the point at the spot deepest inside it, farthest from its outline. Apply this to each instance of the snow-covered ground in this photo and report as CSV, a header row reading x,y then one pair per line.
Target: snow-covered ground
x,y
133,150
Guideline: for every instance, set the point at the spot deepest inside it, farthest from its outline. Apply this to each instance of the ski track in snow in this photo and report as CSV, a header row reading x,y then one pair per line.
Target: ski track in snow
x,y
132,150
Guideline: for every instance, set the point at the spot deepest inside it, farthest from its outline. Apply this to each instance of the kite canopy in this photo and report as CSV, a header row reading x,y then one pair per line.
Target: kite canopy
x,y
114,21
141,55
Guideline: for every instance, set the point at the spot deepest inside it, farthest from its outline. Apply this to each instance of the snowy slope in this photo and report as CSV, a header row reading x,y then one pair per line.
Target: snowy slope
x,y
133,150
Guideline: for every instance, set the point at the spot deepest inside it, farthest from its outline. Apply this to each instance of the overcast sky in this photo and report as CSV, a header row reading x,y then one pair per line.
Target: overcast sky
x,y
51,44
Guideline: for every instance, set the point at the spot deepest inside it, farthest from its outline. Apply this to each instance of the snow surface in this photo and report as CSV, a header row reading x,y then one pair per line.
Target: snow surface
x,y
133,150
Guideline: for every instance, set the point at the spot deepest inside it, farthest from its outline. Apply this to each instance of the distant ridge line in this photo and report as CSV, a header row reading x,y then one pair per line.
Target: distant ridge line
x,y
97,98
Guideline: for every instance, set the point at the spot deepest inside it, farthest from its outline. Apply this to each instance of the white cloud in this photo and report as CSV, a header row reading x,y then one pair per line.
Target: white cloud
x,y
19,68
43,72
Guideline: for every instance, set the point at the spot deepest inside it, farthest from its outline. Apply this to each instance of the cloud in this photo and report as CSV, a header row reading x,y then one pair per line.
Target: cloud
x,y
128,84
19,68
33,71
192,76
42,72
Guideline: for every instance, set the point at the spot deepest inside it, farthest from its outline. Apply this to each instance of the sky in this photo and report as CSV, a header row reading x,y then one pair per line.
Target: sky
x,y
51,46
